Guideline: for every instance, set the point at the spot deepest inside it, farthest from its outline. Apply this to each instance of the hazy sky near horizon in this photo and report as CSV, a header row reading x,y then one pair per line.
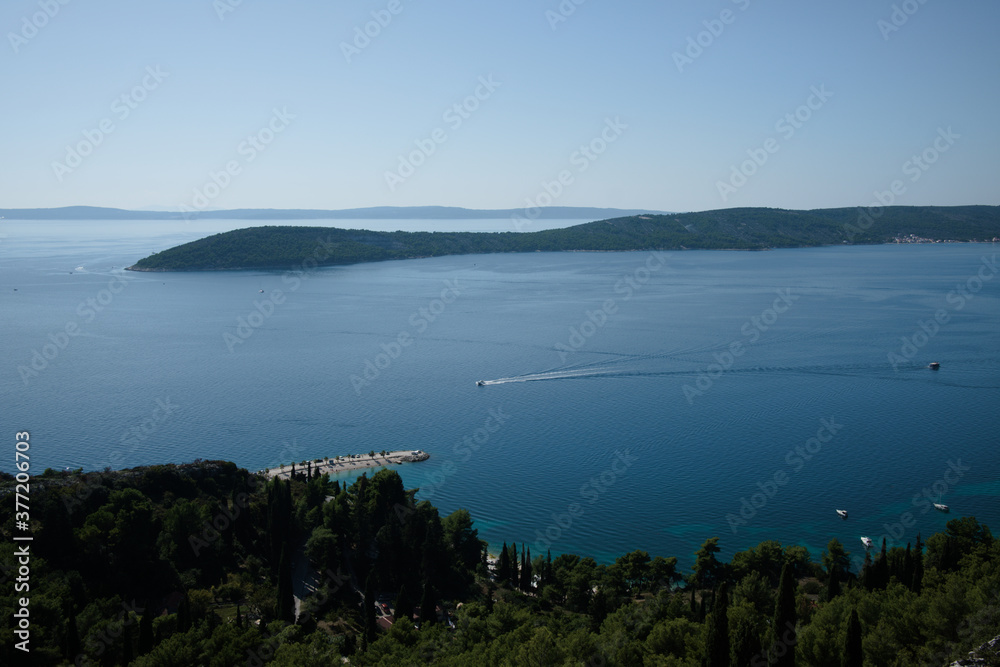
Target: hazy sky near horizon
x,y
674,106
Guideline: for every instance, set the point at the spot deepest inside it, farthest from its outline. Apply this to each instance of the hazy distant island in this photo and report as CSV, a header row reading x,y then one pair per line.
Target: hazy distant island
x,y
369,213
278,247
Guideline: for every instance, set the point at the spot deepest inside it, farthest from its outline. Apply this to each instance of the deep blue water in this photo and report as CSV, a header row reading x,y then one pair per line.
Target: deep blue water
x,y
571,405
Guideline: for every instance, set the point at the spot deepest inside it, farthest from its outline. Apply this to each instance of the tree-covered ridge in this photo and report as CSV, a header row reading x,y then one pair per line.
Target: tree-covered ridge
x,y
738,228
197,564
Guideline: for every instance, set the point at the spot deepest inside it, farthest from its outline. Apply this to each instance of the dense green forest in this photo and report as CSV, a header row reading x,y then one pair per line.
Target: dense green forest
x,y
737,228
196,564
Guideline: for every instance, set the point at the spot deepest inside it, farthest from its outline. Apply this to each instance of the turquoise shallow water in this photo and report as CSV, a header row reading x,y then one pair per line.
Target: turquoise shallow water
x,y
604,425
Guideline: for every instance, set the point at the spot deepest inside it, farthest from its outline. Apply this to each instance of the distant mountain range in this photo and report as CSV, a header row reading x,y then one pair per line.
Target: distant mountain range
x,y
372,213
277,247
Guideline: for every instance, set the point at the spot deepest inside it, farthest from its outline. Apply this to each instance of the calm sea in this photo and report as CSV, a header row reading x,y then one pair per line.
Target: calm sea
x,y
631,400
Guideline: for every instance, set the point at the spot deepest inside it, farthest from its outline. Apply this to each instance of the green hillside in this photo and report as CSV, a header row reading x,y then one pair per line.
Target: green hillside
x,y
737,228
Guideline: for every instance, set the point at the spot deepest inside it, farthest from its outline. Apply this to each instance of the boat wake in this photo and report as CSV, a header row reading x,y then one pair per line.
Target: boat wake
x,y
548,375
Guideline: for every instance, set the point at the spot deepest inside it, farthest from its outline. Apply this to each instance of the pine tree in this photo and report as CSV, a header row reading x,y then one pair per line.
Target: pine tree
x,y
369,614
785,617
853,654
717,643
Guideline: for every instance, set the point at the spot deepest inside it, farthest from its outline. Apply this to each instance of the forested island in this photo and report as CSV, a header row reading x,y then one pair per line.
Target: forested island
x,y
200,564
282,247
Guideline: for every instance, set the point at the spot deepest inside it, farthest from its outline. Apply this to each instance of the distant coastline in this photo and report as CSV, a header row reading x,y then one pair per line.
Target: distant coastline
x,y
277,247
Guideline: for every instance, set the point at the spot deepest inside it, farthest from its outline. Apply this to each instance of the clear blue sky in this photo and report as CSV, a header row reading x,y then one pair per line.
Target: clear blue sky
x,y
558,87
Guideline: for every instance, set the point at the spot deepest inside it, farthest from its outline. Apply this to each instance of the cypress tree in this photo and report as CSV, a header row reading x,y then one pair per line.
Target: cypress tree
x,y
515,576
853,654
717,643
239,618
72,636
694,607
701,610
428,605
503,566
746,645
833,584
127,648
146,630
525,569
907,574
286,601
547,574
369,615
918,567
184,614
404,605
785,617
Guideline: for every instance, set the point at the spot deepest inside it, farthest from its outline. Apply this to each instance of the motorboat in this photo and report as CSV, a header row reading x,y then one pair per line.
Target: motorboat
x,y
939,506
481,383
867,541
842,513
934,365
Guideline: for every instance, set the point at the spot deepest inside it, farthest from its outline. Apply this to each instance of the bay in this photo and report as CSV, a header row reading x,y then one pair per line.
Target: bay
x,y
604,425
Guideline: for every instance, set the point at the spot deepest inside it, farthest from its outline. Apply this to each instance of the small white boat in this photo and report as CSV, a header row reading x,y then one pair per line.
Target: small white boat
x,y
842,513
867,541
939,506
